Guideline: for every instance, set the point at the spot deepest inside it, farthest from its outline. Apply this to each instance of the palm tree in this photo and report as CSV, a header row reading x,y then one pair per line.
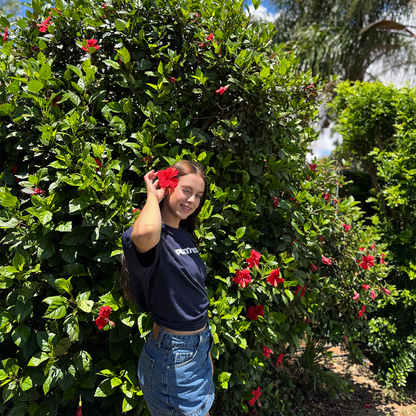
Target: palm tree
x,y
346,37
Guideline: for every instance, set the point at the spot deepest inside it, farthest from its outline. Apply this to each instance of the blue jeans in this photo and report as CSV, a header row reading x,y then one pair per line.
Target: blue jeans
x,y
175,374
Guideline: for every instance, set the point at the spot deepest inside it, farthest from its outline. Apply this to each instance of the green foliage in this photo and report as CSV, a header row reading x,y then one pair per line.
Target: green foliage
x,y
378,127
80,127
325,35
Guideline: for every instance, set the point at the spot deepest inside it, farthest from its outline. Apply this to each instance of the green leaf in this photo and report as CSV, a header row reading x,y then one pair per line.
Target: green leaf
x,y
120,24
77,204
37,359
64,226
63,285
57,308
240,232
104,389
19,409
111,63
46,249
45,72
85,305
21,335
62,347
118,124
26,383
34,86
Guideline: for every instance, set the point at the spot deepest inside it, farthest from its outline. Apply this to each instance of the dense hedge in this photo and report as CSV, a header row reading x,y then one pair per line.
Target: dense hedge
x,y
384,145
93,96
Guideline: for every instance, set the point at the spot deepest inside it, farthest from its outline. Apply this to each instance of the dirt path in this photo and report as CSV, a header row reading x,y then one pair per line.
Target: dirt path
x,y
368,397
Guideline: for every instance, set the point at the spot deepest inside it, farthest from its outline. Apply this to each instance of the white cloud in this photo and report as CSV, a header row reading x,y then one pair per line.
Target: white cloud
x,y
262,13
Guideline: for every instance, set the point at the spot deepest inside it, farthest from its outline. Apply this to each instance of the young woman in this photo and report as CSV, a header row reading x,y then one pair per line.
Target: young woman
x,y
166,276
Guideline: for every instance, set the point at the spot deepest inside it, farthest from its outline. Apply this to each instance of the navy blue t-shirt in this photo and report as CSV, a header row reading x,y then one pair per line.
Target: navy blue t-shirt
x,y
173,286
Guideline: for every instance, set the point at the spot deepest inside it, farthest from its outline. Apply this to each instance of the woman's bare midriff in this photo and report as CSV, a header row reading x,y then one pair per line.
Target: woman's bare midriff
x,y
156,329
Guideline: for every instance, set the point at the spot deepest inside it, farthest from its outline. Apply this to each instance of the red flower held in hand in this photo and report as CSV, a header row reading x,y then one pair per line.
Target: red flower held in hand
x,y
254,312
373,295
356,297
382,261
279,360
274,278
386,291
172,79
314,268
91,43
325,260
167,178
210,37
256,393
43,27
267,352
254,259
242,277
367,262
302,289
312,166
6,34
221,90
103,315
275,202
366,287
361,313
346,227
326,196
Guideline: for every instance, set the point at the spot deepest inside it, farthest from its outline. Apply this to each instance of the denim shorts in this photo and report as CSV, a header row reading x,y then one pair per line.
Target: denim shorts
x,y
175,374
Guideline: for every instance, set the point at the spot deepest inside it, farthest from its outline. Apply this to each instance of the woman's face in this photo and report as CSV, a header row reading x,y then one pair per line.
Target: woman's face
x,y
184,200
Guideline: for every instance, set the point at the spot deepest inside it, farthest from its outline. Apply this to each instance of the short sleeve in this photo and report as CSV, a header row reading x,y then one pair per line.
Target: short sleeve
x,y
133,263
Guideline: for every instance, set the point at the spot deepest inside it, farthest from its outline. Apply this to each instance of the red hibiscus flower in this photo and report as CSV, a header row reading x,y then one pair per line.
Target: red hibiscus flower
x,y
308,321
366,287
346,227
274,278
386,291
79,411
254,312
6,34
91,43
325,260
326,196
362,310
275,202
314,268
43,27
373,295
312,166
279,360
367,406
382,261
13,169
362,249
322,239
302,289
37,191
256,396
167,178
254,259
345,340
242,277
373,246
196,15
97,161
201,45
356,297
336,201
103,315
210,37
55,101
172,79
267,352
367,262
221,90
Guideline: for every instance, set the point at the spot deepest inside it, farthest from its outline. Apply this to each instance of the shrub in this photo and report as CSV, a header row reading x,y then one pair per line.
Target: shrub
x,y
93,98
378,127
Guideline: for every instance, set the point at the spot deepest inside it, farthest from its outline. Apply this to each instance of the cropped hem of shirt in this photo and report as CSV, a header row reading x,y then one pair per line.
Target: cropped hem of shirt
x,y
173,286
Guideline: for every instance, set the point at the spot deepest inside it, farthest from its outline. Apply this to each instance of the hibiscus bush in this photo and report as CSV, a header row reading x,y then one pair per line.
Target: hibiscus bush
x,y
384,146
93,96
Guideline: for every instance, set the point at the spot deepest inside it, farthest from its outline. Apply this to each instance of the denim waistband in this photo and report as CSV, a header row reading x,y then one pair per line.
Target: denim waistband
x,y
167,340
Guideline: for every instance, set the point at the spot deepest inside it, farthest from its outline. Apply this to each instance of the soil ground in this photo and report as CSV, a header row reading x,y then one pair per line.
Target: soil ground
x,y
367,391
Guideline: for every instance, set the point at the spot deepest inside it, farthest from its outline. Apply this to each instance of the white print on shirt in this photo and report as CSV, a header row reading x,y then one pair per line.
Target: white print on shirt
x,y
188,250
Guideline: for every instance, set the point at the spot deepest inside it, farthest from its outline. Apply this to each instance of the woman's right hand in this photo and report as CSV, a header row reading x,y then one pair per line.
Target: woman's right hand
x,y
151,181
